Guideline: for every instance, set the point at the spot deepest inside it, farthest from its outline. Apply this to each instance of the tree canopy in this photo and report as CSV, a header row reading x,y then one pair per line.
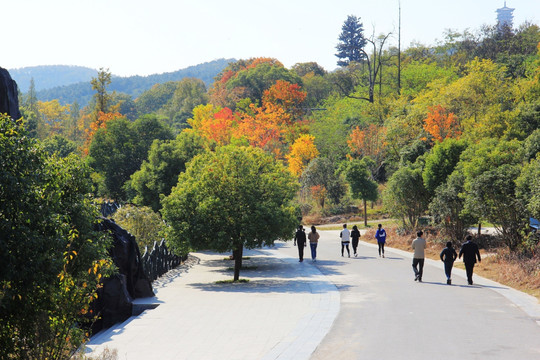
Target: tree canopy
x,y
232,198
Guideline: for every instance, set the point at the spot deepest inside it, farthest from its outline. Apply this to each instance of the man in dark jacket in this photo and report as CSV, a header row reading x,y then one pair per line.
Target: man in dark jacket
x,y
300,240
470,252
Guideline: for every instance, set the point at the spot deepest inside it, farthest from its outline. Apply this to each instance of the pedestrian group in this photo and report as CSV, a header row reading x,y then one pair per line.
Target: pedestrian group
x,y
469,250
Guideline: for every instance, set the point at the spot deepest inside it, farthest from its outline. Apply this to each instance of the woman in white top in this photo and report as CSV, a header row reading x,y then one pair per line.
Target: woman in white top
x,y
345,236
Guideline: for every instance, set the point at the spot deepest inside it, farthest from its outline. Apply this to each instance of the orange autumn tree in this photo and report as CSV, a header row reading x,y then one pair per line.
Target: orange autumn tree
x,y
288,96
263,129
441,124
100,123
275,124
213,123
370,142
302,152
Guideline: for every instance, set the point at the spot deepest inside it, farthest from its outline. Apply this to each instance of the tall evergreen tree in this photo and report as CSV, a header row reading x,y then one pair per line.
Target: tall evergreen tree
x,y
30,110
351,41
100,84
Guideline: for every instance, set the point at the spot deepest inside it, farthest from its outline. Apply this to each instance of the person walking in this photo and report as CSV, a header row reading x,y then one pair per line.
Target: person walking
x,y
380,235
419,247
313,237
345,236
470,252
300,240
448,256
355,236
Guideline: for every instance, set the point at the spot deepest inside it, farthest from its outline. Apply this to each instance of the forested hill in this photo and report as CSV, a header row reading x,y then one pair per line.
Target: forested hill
x,y
50,76
133,85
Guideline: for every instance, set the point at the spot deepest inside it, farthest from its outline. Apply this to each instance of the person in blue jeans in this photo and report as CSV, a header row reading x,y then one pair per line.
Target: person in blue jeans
x,y
313,237
448,256
380,235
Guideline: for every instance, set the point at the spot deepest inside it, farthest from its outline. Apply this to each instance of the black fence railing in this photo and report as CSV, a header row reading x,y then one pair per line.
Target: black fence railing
x,y
159,260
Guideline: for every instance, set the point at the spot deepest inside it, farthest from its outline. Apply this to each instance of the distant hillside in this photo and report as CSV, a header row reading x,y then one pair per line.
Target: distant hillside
x,y
133,85
50,76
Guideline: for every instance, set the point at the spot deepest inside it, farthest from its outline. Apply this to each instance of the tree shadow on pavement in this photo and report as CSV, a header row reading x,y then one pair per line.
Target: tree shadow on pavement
x,y
268,267
268,286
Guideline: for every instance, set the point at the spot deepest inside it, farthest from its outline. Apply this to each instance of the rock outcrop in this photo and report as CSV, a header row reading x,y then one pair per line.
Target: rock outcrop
x,y
9,99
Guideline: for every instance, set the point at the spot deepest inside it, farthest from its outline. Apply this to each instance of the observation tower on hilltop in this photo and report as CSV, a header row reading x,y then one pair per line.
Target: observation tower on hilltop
x,y
505,16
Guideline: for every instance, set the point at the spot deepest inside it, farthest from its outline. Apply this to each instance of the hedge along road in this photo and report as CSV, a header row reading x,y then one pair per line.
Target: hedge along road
x,y
385,314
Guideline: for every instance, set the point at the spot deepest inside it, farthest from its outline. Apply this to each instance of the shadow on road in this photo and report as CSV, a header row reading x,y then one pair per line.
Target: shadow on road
x,y
363,258
464,285
394,258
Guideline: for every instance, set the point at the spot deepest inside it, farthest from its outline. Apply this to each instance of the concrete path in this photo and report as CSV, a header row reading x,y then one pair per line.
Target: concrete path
x,y
284,312
292,310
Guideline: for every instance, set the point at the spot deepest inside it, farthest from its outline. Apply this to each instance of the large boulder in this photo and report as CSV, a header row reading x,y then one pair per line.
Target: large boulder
x,y
9,99
115,298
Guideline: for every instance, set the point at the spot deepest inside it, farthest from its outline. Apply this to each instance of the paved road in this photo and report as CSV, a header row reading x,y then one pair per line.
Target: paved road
x,y
336,308
385,314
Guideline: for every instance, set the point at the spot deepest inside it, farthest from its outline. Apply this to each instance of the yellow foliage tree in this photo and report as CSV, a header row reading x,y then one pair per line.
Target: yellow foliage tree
x,y
53,117
302,152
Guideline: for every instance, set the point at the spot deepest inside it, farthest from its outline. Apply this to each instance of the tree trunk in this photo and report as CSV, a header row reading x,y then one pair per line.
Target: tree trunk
x,y
365,212
237,262
479,229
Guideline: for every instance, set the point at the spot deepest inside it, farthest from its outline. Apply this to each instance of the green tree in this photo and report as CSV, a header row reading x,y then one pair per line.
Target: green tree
x,y
528,187
233,198
448,207
441,162
124,105
189,93
321,173
30,111
493,196
119,149
99,84
360,180
143,223
405,196
159,174
303,69
351,41
52,258
155,98
417,75
59,145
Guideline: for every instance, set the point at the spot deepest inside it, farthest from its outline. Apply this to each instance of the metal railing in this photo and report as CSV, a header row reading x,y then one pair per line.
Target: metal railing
x,y
160,260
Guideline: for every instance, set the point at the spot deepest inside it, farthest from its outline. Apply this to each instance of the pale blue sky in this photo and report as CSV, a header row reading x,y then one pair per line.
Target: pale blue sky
x,y
142,37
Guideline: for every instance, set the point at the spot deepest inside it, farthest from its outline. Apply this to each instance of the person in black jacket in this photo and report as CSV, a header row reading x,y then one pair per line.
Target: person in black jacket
x,y
355,236
470,252
448,256
300,240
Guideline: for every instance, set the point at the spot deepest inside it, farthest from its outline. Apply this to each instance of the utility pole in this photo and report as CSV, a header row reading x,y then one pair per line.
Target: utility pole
x,y
399,51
